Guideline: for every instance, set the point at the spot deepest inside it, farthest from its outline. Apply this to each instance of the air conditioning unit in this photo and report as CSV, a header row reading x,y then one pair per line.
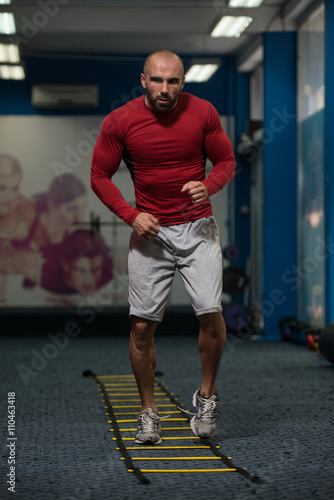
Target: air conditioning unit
x,y
65,96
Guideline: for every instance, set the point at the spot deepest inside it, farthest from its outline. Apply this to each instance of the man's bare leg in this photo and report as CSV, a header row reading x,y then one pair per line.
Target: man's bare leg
x,y
143,359
211,342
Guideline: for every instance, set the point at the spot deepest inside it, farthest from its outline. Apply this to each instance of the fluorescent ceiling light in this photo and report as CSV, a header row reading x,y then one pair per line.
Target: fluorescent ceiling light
x,y
245,3
5,2
8,72
231,26
7,23
250,63
200,72
9,53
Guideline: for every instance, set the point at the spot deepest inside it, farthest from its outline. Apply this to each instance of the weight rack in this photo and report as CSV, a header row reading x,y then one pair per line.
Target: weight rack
x,y
180,446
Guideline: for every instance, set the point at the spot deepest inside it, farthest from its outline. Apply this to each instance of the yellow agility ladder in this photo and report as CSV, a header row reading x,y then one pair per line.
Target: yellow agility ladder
x,y
180,446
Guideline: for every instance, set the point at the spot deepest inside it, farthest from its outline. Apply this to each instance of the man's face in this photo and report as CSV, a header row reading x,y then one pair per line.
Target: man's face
x,y
84,274
163,81
9,191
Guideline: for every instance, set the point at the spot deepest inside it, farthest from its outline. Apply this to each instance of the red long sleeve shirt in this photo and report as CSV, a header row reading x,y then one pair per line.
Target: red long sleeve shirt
x,y
163,151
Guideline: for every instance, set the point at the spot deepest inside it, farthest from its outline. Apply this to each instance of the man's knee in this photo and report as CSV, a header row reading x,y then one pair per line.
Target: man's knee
x,y
212,324
142,331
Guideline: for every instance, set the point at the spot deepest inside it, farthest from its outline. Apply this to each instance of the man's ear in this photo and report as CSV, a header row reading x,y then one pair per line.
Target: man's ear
x,y
142,80
183,81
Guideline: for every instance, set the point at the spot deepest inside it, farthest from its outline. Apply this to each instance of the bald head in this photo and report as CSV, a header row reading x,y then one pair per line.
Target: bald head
x,y
166,57
163,80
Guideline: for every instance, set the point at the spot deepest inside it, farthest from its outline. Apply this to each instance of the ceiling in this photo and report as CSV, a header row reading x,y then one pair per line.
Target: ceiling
x,y
133,28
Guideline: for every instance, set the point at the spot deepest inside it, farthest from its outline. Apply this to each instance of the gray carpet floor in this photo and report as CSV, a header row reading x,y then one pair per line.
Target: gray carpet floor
x,y
276,419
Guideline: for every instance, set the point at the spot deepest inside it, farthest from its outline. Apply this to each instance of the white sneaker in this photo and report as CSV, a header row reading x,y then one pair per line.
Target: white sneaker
x,y
149,428
203,424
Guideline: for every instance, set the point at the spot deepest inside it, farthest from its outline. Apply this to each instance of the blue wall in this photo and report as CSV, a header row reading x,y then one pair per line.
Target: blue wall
x,y
118,80
329,157
242,178
279,178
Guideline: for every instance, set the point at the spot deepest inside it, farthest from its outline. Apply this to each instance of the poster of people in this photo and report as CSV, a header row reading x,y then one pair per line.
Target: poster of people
x,y
59,246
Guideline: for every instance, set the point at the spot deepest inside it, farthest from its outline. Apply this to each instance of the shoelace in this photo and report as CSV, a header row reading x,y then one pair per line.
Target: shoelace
x,y
185,411
208,410
148,422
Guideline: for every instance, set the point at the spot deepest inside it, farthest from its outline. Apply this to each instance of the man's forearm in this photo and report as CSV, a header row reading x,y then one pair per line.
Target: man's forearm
x,y
111,196
221,174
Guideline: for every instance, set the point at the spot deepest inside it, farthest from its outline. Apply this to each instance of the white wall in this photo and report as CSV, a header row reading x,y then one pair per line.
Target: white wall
x,y
48,146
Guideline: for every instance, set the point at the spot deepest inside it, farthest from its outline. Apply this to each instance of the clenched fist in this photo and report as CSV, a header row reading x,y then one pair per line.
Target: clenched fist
x,y
196,190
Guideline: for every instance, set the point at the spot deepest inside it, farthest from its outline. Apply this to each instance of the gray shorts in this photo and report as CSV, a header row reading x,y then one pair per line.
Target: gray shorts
x,y
192,248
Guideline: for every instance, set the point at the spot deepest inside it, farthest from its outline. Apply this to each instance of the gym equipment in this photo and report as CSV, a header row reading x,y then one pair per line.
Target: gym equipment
x,y
234,280
238,319
231,252
312,337
95,223
326,342
286,324
237,316
122,404
298,331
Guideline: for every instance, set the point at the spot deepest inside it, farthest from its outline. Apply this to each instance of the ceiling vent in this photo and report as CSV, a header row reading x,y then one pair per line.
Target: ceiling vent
x,y
65,96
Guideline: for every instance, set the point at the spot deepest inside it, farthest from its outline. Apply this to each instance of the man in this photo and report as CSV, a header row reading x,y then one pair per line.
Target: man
x,y
81,264
164,138
62,206
19,224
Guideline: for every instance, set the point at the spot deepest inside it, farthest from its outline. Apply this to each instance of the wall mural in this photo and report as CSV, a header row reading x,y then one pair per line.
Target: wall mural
x,y
59,246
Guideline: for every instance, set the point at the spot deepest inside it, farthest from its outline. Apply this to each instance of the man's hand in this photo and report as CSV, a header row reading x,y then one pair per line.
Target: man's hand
x,y
196,190
146,226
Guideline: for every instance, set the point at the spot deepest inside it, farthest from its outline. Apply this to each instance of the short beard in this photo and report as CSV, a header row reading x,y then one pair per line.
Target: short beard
x,y
162,108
